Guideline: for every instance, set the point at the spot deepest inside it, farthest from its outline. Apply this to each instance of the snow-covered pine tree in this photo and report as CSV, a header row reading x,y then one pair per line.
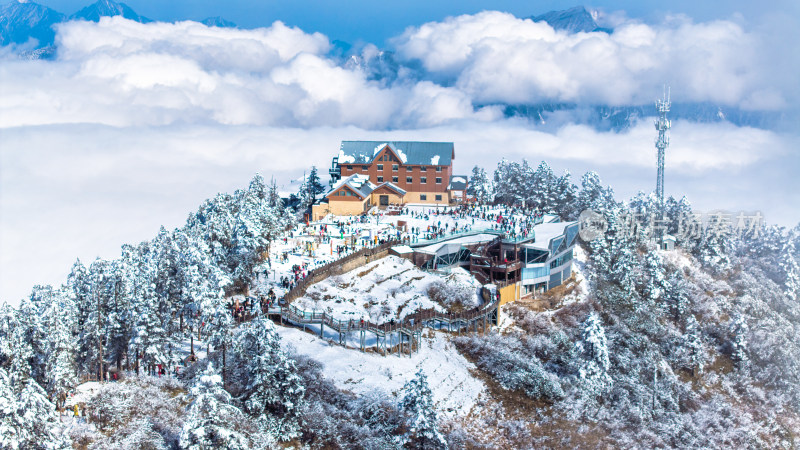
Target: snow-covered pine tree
x,y
273,390
677,299
739,336
9,428
592,194
212,420
593,349
655,278
789,266
693,345
61,368
311,187
38,420
423,421
480,186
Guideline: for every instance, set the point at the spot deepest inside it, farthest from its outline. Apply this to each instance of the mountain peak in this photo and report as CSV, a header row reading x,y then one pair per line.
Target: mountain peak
x,y
218,21
22,21
108,8
574,20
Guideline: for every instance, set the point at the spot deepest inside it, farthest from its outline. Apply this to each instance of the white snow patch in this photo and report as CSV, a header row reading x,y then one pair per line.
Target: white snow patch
x,y
457,179
455,390
435,160
345,159
82,394
390,288
378,148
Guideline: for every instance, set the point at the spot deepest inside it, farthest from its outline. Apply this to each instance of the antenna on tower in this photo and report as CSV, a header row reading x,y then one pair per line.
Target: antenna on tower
x,y
662,142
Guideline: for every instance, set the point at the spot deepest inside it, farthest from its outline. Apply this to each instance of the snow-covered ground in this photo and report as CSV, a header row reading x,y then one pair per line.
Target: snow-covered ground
x,y
455,390
389,288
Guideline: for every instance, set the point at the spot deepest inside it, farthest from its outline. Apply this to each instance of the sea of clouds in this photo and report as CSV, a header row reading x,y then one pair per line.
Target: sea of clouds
x,y
132,125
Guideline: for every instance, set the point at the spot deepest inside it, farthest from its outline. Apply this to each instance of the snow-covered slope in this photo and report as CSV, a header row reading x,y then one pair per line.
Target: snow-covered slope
x,y
455,390
21,21
389,288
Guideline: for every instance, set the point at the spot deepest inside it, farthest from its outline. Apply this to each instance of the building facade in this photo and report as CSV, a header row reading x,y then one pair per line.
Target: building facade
x,y
423,170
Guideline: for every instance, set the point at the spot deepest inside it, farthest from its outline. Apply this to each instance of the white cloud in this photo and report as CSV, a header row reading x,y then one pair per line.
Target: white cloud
x,y
496,57
133,125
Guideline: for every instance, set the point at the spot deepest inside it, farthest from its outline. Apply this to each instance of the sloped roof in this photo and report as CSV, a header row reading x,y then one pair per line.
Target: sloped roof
x,y
392,187
409,152
457,183
359,183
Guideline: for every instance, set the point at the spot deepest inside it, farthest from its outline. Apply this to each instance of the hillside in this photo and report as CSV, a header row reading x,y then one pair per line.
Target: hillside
x,y
642,347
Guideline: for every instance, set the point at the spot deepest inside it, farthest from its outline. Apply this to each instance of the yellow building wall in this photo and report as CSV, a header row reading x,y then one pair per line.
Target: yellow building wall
x,y
414,197
394,198
344,208
510,293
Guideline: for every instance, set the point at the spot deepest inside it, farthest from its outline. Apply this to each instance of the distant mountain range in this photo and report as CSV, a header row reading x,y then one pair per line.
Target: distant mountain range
x,y
573,20
24,22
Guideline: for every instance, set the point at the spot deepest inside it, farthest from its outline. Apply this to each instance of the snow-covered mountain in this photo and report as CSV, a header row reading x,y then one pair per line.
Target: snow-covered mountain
x,y
218,21
21,22
573,20
108,8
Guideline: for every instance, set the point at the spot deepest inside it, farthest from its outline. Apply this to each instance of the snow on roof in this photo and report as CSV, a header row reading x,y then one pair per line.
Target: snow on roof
x,y
402,249
409,152
459,241
435,159
458,180
545,232
345,159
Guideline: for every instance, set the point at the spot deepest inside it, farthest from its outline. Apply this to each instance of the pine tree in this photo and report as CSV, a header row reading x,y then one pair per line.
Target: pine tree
x,y
212,420
480,186
693,345
417,403
593,348
273,391
38,420
676,296
739,332
61,368
9,428
789,266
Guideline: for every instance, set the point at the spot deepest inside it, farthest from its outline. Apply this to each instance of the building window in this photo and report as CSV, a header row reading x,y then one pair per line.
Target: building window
x,y
409,179
394,179
423,197
438,168
364,167
422,168
395,167
349,167
380,179
438,180
423,180
410,169
438,198
380,166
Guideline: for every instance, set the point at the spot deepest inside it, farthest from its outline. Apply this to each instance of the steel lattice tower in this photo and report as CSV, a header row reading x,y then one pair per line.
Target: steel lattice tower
x,y
662,142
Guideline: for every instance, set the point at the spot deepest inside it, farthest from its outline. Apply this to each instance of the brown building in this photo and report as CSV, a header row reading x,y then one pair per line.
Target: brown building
x,y
422,169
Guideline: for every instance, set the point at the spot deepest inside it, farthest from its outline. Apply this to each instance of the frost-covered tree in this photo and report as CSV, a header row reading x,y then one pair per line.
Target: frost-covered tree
x,y
272,391
592,194
677,300
480,186
739,338
38,420
212,419
9,428
61,366
789,266
693,345
311,187
423,421
595,364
